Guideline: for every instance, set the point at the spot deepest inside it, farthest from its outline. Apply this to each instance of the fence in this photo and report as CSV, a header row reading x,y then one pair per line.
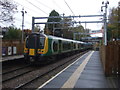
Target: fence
x,y
12,47
110,56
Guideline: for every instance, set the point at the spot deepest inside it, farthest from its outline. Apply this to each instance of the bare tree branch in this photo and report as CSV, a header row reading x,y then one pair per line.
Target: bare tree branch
x,y
7,8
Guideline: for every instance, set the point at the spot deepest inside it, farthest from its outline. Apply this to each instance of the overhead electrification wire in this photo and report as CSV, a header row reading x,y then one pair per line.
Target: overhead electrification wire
x,y
43,4
69,7
37,7
27,8
63,12
57,5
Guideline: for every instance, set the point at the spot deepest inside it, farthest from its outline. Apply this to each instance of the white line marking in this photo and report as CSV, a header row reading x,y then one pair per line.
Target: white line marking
x,y
60,72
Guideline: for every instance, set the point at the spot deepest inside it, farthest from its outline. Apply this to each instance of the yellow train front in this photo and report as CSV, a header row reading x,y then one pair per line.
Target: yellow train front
x,y
40,47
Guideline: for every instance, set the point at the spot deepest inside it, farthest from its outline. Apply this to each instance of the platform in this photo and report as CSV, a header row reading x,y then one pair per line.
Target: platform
x,y
7,58
85,72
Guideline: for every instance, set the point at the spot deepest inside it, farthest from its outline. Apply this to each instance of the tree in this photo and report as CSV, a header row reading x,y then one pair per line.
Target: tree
x,y
50,28
113,29
13,33
7,9
65,24
66,28
111,32
37,28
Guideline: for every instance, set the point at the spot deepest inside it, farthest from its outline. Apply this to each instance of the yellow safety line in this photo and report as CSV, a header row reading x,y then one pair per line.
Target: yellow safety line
x,y
70,83
60,72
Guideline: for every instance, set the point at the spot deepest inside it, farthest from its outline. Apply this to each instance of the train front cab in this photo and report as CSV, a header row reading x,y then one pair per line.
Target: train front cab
x,y
35,46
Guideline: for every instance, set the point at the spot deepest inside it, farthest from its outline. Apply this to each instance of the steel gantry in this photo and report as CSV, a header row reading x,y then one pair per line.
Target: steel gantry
x,y
74,22
79,16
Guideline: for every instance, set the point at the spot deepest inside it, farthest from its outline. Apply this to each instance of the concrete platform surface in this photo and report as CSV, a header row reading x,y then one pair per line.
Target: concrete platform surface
x,y
85,72
7,58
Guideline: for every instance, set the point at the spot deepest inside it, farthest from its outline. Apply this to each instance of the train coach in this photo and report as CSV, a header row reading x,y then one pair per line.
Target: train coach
x,y
40,47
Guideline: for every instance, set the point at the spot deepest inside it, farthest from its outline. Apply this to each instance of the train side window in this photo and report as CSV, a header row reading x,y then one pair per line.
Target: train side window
x,y
79,45
42,41
74,45
82,46
55,46
66,46
71,45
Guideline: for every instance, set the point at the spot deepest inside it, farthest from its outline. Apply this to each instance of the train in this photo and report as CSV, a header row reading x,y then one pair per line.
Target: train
x,y
39,47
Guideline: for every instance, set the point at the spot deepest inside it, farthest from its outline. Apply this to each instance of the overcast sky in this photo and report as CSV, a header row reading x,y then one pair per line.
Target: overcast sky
x,y
41,8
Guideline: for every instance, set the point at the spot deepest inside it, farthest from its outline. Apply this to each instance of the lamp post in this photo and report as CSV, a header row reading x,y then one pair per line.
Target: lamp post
x,y
105,21
23,12
118,19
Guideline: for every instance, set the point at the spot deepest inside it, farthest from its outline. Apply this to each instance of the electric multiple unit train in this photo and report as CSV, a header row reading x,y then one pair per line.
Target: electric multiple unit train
x,y
40,47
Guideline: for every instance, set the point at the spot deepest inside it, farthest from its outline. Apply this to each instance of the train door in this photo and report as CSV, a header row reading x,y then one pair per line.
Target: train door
x,y
33,44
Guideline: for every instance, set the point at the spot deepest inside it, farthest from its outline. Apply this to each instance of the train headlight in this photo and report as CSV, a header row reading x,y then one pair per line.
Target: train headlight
x,y
25,50
40,51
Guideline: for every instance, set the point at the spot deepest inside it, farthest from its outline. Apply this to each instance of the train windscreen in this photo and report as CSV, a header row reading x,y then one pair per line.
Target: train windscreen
x,y
32,41
35,41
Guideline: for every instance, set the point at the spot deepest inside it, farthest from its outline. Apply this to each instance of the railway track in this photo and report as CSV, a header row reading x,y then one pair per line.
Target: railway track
x,y
16,73
18,68
34,77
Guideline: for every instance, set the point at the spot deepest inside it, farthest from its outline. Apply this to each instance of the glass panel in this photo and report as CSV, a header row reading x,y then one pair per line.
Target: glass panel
x,y
42,42
55,46
32,41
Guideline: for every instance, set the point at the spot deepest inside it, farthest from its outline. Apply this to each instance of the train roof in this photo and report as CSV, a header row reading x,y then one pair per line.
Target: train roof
x,y
59,38
63,39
